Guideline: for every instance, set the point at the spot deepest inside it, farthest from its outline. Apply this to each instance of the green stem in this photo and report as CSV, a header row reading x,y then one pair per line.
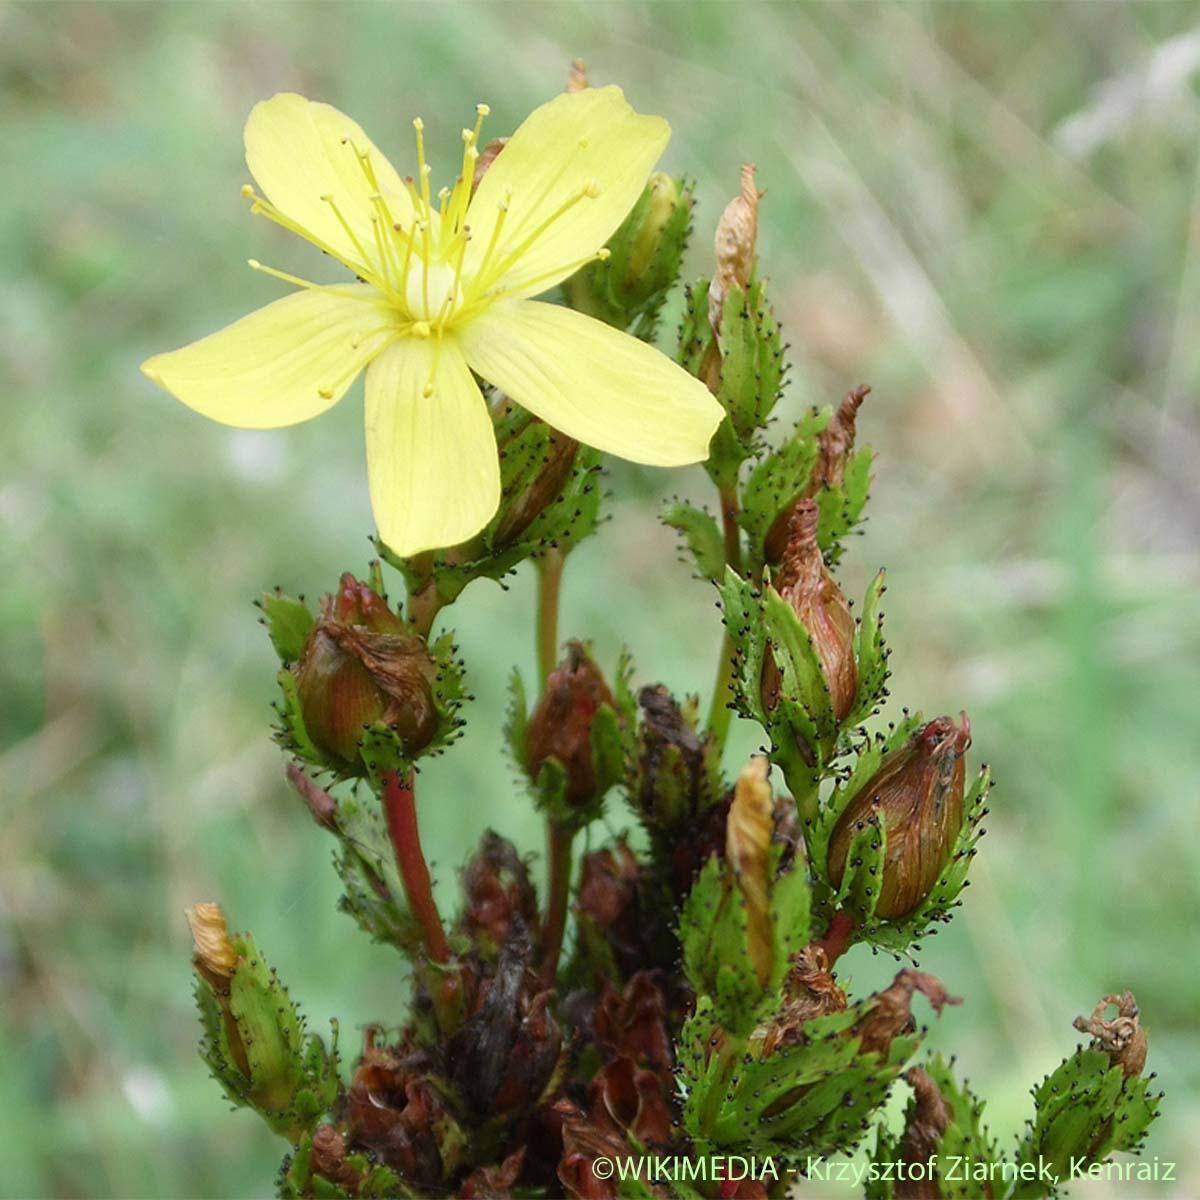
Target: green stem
x,y
550,569
399,805
558,889
720,714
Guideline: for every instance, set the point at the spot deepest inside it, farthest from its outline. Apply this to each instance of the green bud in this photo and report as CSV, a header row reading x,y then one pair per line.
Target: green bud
x,y
254,1038
627,289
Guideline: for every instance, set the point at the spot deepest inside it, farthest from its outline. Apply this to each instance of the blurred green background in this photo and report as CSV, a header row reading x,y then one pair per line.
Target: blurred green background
x,y
988,211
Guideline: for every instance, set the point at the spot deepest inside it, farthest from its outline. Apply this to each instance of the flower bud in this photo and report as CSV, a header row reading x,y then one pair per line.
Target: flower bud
x,y
805,583
560,726
661,202
540,487
917,794
735,245
360,667
1123,1039
834,444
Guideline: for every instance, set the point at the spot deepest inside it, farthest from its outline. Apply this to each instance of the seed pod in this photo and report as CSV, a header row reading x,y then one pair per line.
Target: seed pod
x,y
360,667
560,726
806,584
917,795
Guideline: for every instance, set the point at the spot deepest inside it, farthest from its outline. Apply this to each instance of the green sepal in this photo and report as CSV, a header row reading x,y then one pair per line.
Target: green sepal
x,y
695,331
290,731
627,290
560,520
966,1137
871,654
801,725
1086,1109
841,507
816,1096
254,1043
702,538
775,483
713,933
288,623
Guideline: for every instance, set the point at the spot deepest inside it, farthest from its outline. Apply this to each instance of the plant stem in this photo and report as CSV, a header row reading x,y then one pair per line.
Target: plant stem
x,y
558,837
550,570
719,713
558,889
399,805
838,937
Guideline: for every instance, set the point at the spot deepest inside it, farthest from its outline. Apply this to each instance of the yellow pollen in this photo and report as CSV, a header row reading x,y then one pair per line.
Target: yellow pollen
x,y
584,143
591,189
248,191
427,391
483,110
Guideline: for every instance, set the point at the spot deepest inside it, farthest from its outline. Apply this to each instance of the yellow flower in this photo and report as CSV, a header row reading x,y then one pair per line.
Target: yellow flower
x,y
445,291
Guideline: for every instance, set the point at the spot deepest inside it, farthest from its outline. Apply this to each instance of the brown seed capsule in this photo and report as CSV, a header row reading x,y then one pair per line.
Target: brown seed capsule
x,y
1123,1039
918,794
359,667
834,444
560,726
805,583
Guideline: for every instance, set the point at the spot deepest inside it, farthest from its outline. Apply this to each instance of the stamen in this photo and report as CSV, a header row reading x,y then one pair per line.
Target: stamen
x,y
328,390
337,212
589,191
264,208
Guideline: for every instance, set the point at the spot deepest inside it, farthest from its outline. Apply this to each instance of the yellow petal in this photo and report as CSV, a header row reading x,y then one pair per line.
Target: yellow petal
x,y
431,459
584,140
299,151
599,386
282,364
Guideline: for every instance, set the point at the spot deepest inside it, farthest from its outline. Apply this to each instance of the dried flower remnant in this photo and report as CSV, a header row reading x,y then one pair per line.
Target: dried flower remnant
x,y
1121,1037
735,245
806,584
891,1013
917,794
498,893
928,1118
215,955
834,445
809,991
748,833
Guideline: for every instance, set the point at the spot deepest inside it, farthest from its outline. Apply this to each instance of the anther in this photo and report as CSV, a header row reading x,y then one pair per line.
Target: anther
x,y
418,124
421,329
483,110
591,189
427,391
248,191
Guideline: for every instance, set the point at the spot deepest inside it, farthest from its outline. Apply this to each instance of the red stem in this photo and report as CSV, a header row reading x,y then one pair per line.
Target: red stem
x,y
400,806
838,937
